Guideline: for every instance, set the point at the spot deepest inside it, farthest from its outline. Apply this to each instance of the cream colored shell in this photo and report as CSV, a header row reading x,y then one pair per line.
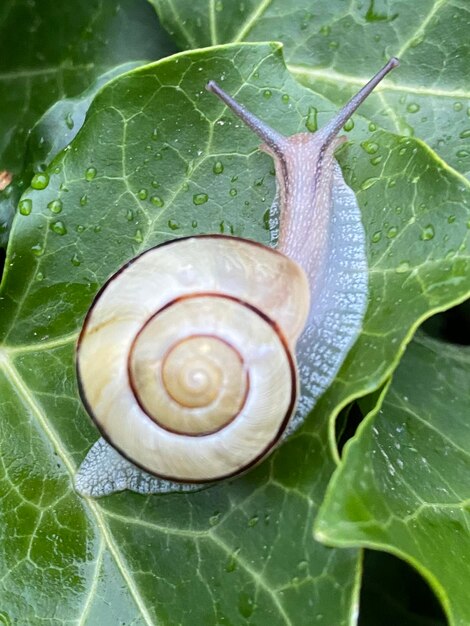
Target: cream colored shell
x,y
186,360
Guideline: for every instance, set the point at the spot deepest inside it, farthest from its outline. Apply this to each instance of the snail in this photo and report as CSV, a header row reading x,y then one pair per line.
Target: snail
x,y
201,354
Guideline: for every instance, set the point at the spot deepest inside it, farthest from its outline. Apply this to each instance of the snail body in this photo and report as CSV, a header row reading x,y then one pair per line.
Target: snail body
x,y
190,357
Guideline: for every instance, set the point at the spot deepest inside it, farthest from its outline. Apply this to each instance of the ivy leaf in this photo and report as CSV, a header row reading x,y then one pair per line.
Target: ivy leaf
x,y
51,133
56,51
426,98
153,160
158,157
404,484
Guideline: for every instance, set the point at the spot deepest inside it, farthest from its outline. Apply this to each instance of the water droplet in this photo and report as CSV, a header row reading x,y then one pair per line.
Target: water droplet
x,y
194,224
58,228
219,5
90,174
172,225
403,267
233,192
37,249
370,146
39,276
312,122
349,125
63,187
325,30
157,201
376,160
402,151
155,134
138,236
368,183
55,206
69,121
129,215
413,107
451,219
84,200
285,98
267,93
40,181
97,229
75,260
25,206
377,236
428,233
458,106
333,45
200,198
392,232
465,134
253,521
218,167
80,228
463,153
372,127
143,194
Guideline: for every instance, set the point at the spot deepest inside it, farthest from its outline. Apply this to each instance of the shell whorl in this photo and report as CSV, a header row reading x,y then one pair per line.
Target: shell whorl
x,y
185,359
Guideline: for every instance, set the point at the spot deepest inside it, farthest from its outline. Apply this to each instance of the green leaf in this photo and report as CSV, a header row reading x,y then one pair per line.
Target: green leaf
x,y
51,133
237,553
57,50
404,483
142,170
335,49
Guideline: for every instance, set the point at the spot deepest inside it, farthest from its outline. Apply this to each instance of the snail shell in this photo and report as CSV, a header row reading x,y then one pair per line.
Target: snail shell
x,y
186,360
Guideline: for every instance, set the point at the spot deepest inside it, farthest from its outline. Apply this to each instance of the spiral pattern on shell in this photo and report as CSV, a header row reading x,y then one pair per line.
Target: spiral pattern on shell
x,y
185,360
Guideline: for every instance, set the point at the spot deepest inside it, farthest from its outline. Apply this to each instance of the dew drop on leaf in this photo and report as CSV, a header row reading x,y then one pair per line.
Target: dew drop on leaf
x,y
84,200
311,122
403,267
218,167
157,201
40,181
69,121
55,206
90,173
377,236
37,249
392,232
465,134
233,192
428,233
143,194
58,228
75,260
200,198
25,206
267,93
413,107
370,146
368,183
349,125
